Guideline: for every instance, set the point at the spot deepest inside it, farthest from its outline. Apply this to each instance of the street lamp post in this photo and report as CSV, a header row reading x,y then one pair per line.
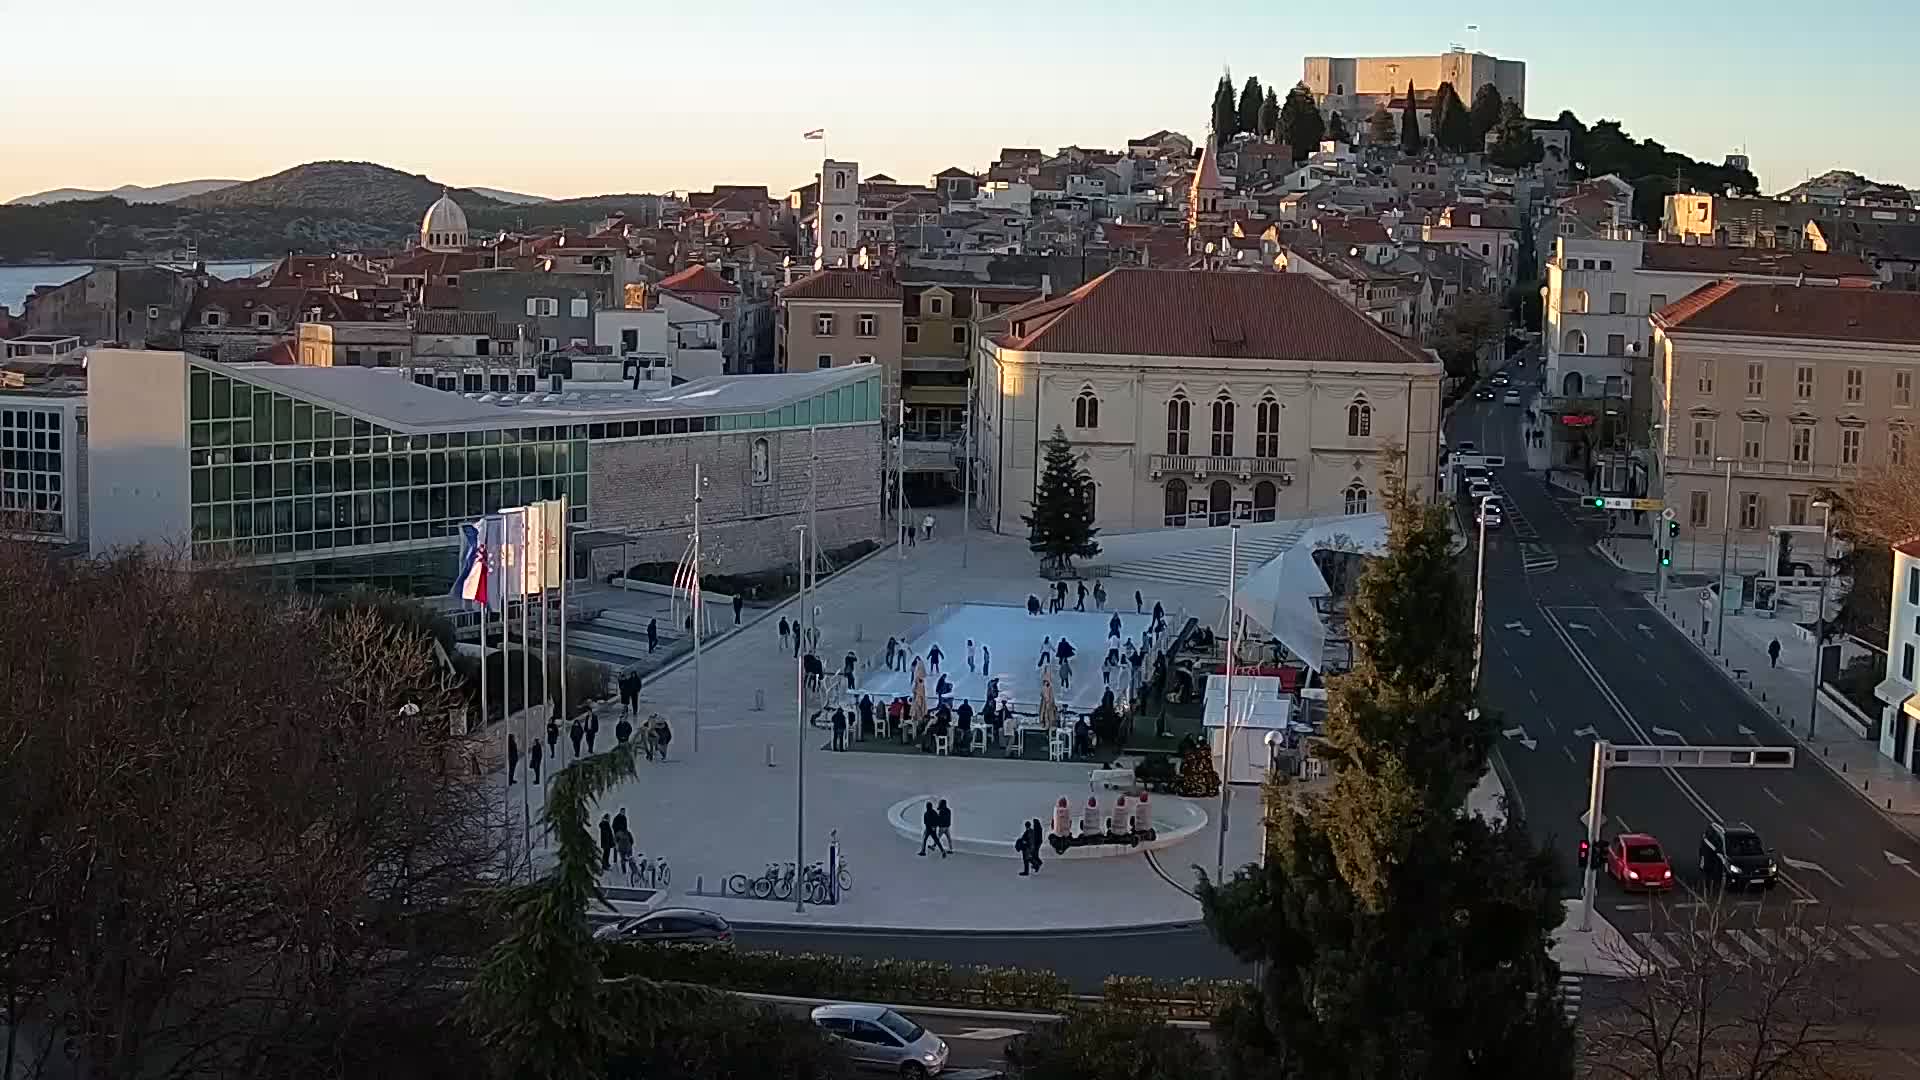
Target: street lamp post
x,y
800,743
1726,535
1226,720
900,510
1820,614
1480,593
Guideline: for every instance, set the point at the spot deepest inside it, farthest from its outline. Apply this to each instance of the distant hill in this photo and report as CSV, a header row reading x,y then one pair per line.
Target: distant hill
x,y
131,193
360,187
512,197
1844,179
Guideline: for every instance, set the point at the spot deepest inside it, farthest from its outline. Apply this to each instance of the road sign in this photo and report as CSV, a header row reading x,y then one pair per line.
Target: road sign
x,y
1608,502
1668,514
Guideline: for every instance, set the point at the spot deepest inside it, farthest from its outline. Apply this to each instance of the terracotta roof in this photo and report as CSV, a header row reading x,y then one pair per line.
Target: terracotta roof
x,y
437,263
477,323
1813,312
840,284
1352,230
280,352
440,296
1772,262
1909,547
1207,176
698,278
952,172
1204,313
290,302
321,271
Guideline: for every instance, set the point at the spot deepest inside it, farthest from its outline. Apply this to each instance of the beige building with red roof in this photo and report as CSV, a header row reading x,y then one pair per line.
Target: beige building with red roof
x,y
1202,397
1767,393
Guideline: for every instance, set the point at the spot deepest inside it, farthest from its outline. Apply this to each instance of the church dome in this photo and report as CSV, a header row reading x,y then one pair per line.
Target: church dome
x,y
445,226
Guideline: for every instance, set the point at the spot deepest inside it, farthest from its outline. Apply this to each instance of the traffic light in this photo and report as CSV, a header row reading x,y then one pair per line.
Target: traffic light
x,y
1599,502
1666,557
1673,527
1584,857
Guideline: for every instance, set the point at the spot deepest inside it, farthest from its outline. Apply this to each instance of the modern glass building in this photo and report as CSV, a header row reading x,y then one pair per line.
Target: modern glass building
x,y
326,476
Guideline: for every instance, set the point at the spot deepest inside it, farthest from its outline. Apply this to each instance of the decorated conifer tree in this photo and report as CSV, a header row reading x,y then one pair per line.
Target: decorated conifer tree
x,y
1061,525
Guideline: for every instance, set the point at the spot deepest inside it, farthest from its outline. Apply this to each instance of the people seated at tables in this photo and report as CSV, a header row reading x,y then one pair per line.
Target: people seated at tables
x,y
993,716
897,718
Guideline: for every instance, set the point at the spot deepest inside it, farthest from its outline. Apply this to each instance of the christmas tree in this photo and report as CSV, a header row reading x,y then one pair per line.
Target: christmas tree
x,y
1061,525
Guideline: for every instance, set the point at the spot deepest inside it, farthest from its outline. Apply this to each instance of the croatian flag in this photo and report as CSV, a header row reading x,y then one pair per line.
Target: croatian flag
x,y
816,133
472,582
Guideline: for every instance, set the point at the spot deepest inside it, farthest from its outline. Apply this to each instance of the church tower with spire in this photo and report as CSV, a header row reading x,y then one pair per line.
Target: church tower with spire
x,y
1205,219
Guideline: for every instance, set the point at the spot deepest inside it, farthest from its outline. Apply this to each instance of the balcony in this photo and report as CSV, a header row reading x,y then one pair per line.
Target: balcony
x,y
1770,470
1199,465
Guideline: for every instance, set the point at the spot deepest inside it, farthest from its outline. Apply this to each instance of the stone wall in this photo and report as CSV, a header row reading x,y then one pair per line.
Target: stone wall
x,y
644,488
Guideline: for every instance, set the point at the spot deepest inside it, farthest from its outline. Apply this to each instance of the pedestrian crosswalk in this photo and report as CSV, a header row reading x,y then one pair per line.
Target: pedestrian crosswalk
x,y
1570,986
1538,558
1854,942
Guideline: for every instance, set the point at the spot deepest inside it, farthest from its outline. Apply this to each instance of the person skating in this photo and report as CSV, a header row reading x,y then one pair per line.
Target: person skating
x,y
1080,599
1773,653
929,830
933,658
839,729
1100,595
593,730
576,731
946,827
606,841
986,659
513,758
1159,615
970,667
893,647
1033,604
1139,602
738,604
662,734
1113,625
533,760
553,736
653,634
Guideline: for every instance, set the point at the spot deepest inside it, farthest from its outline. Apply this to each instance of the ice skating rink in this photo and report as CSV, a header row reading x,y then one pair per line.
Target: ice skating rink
x,y
1013,639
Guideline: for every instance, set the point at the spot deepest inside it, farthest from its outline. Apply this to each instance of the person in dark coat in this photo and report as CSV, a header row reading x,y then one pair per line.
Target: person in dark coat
x,y
893,649
866,716
593,730
1113,625
662,735
576,731
929,829
1024,844
1033,604
620,822
1080,599
991,717
1033,850
533,760
1159,615
783,632
966,715
1139,602
933,657
513,757
553,735
653,634
606,842
810,665
946,827
738,604
847,668
943,689
622,731
839,729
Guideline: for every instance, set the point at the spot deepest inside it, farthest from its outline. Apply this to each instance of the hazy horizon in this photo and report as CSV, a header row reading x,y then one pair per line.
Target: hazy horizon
x,y
590,98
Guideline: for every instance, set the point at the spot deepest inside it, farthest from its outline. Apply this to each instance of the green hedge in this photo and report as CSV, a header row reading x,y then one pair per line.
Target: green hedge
x,y
908,982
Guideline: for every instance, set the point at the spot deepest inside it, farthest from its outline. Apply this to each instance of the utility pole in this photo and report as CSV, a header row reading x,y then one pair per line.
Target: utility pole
x,y
699,602
1226,719
800,745
1820,615
900,509
1726,536
1480,594
1596,798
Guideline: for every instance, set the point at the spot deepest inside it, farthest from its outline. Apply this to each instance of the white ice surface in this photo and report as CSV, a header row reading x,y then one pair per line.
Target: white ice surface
x,y
1013,638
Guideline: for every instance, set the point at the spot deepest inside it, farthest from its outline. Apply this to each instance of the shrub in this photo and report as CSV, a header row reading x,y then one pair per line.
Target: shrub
x,y
715,1036
1109,1042
813,975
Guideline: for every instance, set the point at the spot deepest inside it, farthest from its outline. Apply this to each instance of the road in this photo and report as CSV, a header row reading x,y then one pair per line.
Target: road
x,y
1574,653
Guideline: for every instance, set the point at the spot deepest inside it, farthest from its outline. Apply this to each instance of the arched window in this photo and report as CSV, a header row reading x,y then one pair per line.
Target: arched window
x,y
840,180
762,462
1223,410
1356,498
1359,418
1266,428
1086,410
1576,302
1220,503
1571,385
1576,343
1265,496
1176,502
1179,424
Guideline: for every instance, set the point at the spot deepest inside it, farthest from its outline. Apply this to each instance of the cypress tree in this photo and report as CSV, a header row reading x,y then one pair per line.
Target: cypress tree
x,y
1301,125
1485,112
1269,125
1380,129
1410,140
1247,116
1452,127
1224,114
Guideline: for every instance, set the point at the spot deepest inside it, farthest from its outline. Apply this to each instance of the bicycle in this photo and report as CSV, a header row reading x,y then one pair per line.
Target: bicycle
x,y
650,873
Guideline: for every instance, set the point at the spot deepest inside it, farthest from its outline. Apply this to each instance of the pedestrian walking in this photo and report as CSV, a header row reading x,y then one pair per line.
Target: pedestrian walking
x,y
1773,653
933,658
513,757
622,731
929,829
533,760
847,670
1024,845
620,822
970,667
946,827
1100,595
738,604
1139,603
576,731
926,524
662,735
913,534
593,730
839,729
553,736
1080,600
653,634
893,647
783,633
986,659
606,841
1039,839
1113,625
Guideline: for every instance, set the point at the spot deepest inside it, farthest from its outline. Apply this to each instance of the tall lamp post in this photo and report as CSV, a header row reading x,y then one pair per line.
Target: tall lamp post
x,y
1820,614
1726,535
900,510
800,741
1480,593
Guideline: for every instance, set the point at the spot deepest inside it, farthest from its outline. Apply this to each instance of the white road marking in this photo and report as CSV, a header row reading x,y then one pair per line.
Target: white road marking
x,y
1651,946
1808,944
1871,876
1662,678
1846,944
1772,938
1534,696
1589,731
1874,943
1630,907
1812,867
1569,752
1668,733
1777,800
1900,940
1683,702
1904,864
1817,835
1548,720
984,1034
1753,948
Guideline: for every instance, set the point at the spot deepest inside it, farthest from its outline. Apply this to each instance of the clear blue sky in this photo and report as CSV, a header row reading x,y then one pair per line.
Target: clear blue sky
x,y
575,97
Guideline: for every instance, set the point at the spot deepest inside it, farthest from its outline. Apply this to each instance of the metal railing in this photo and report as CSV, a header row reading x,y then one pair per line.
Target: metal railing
x,y
1206,465
1773,469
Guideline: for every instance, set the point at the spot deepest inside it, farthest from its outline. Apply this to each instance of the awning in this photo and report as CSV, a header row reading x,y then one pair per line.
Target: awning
x,y
1893,691
1279,595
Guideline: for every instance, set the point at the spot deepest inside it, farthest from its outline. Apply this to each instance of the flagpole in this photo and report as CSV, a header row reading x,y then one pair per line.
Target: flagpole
x,y
566,569
526,690
546,682
1226,720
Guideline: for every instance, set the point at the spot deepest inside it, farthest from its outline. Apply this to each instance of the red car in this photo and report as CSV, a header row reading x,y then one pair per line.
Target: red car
x,y
1637,861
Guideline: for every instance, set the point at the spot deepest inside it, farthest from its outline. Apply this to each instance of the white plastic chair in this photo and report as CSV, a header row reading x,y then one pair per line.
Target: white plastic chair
x,y
940,743
978,742
1057,745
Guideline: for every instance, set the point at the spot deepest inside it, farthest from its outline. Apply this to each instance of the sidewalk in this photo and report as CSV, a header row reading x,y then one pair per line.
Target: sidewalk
x,y
1786,690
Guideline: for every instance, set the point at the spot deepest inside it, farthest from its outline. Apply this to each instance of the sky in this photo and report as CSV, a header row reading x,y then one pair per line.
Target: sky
x,y
581,97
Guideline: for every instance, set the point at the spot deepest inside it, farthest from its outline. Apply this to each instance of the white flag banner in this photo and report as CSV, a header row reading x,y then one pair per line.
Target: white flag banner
x,y
553,513
533,567
513,552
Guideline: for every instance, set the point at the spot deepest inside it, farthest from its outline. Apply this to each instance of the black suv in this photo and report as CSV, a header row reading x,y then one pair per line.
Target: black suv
x,y
1734,856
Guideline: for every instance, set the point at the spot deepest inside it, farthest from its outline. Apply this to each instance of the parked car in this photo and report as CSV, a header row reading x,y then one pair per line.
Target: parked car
x,y
1637,861
1489,515
673,924
877,1037
1511,397
1734,856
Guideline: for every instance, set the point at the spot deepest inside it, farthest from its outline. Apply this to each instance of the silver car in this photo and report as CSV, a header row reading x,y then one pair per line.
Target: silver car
x,y
877,1037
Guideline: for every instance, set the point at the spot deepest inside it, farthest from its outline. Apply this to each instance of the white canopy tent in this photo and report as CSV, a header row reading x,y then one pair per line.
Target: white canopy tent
x,y
1278,596
1259,706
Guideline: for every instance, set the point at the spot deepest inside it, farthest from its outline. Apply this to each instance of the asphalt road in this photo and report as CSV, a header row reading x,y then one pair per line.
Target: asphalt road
x,y
1573,653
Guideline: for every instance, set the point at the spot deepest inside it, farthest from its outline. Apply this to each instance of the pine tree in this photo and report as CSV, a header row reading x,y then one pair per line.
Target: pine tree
x,y
1452,126
1514,146
1247,116
1410,140
1301,125
1269,125
1224,113
1337,130
1380,130
1060,529
1382,907
1485,112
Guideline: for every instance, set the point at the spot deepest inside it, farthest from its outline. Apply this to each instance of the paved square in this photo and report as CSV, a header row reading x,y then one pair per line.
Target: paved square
x,y
1013,639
